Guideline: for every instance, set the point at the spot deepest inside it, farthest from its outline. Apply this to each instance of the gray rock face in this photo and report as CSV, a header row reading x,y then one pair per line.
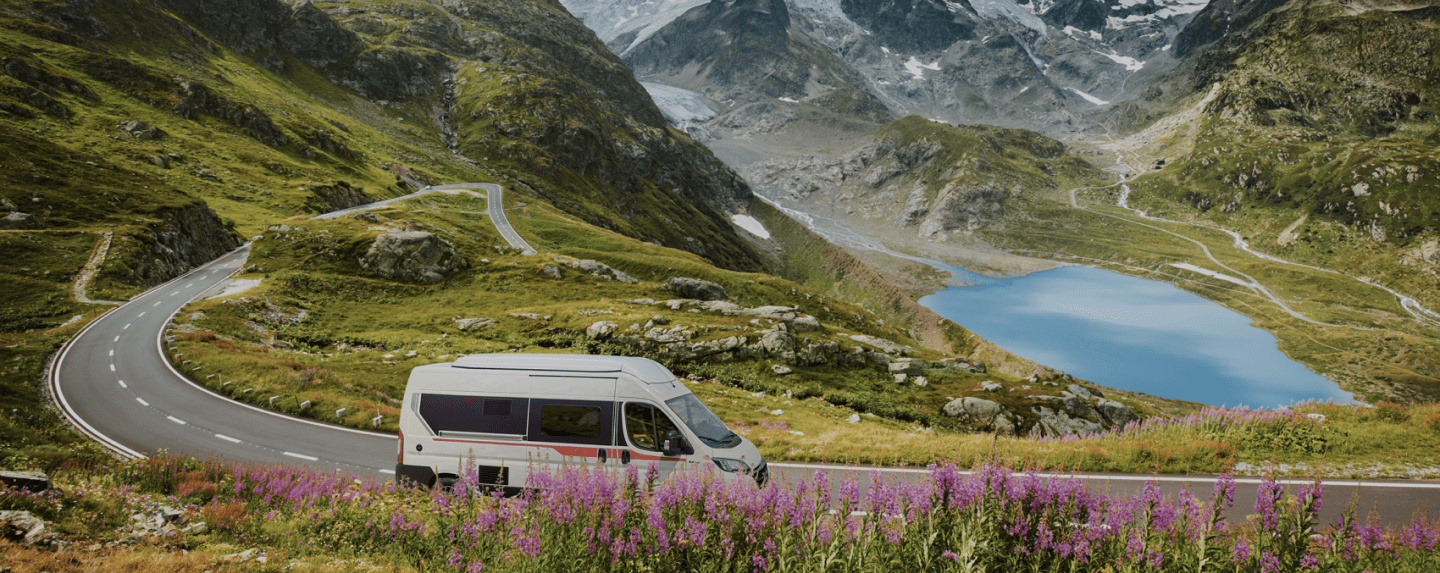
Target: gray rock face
x,y
802,324
973,410
182,240
779,344
34,482
991,386
1082,392
552,272
19,222
695,289
24,526
889,346
317,39
597,268
412,256
480,323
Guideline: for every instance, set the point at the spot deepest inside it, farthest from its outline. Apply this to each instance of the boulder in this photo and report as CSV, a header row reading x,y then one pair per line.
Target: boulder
x,y
974,410
804,324
1003,426
1082,392
30,481
780,370
664,336
552,272
596,268
24,526
140,130
19,222
900,378
903,367
1059,423
695,288
601,330
888,346
413,257
920,381
779,345
1116,413
991,386
480,323
853,419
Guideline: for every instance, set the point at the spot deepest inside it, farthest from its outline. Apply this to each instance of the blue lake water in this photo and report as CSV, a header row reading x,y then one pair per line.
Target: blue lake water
x,y
1135,334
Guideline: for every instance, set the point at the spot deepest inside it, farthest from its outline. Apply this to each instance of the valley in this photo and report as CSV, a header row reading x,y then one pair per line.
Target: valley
x,y
233,229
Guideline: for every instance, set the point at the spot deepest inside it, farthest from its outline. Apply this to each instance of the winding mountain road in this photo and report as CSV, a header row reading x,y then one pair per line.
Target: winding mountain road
x,y
114,382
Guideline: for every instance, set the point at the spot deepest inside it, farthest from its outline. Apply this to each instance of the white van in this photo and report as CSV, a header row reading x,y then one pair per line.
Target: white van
x,y
510,414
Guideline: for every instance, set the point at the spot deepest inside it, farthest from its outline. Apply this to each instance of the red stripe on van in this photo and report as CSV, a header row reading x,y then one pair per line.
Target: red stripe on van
x,y
571,451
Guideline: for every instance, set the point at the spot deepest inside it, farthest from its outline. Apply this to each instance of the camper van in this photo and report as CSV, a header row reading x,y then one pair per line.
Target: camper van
x,y
506,415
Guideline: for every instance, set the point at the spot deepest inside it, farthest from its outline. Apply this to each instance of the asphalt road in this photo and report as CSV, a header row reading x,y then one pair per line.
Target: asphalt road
x,y
113,381
494,207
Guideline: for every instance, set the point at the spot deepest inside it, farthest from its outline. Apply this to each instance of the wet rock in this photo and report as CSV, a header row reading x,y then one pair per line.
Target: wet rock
x,y
695,288
412,256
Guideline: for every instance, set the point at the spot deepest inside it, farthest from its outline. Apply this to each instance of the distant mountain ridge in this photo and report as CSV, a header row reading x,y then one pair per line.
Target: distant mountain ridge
x,y
1036,65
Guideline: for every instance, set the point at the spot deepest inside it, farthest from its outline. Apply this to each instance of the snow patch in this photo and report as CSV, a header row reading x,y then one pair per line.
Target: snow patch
x,y
1165,48
830,8
1024,89
679,105
1088,97
884,49
788,100
1131,64
750,224
997,9
917,69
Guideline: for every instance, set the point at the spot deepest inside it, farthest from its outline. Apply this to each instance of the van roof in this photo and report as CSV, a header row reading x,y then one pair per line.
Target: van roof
x,y
646,370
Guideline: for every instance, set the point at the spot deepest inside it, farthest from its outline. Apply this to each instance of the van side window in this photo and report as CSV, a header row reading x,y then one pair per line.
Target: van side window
x,y
646,426
477,414
571,422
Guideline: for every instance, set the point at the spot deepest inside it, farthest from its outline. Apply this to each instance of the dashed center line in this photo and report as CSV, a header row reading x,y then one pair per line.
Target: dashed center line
x,y
301,456
112,351
112,367
174,293
139,315
227,438
176,420
141,401
157,303
117,339
122,384
127,326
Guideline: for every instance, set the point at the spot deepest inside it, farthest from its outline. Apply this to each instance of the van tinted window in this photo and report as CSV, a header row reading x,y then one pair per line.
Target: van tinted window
x,y
478,414
571,422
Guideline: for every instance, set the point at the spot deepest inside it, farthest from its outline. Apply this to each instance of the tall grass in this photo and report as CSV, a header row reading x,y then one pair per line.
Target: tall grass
x,y
992,519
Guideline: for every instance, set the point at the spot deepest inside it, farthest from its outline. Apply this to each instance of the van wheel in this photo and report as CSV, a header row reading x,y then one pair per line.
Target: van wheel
x,y
446,482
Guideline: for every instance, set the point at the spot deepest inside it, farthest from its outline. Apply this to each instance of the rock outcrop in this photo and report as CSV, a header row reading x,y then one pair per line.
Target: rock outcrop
x,y
182,240
19,222
413,257
695,289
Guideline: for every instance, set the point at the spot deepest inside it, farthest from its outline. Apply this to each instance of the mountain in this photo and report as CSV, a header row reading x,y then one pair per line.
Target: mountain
x,y
263,110
1041,65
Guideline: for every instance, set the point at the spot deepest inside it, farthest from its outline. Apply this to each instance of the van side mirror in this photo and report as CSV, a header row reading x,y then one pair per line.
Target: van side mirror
x,y
675,444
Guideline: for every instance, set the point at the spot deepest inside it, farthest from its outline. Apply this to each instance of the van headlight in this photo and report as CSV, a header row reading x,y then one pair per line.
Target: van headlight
x,y
732,466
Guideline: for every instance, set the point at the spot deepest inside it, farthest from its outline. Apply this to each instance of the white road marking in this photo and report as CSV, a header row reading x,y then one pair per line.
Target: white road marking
x,y
174,293
157,303
301,456
391,472
127,326
139,315
112,351
112,367
117,339
189,285
142,401
122,384
176,420
227,438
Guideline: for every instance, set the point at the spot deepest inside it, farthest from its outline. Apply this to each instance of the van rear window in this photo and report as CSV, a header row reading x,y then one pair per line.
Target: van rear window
x,y
476,414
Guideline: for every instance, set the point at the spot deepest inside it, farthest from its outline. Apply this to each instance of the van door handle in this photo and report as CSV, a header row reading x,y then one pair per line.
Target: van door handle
x,y
602,455
624,456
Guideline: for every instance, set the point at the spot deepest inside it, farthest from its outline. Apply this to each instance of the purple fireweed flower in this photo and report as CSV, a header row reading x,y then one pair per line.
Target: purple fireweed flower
x,y
1309,563
1240,552
1419,537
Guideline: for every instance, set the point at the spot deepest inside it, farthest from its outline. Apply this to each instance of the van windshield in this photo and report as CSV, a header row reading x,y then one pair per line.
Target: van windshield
x,y
706,425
